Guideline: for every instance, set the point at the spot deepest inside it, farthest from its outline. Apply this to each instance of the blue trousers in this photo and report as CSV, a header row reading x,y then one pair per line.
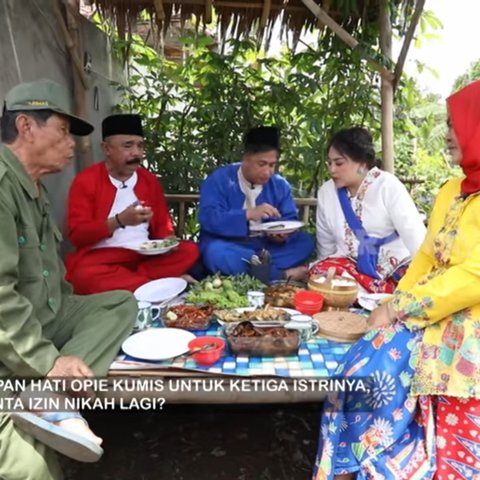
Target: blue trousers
x,y
225,256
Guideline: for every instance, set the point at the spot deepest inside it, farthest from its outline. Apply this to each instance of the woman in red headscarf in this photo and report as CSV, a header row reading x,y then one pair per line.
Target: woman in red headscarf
x,y
423,352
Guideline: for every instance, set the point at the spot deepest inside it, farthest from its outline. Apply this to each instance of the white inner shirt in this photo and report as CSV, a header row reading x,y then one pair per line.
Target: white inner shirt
x,y
130,235
251,194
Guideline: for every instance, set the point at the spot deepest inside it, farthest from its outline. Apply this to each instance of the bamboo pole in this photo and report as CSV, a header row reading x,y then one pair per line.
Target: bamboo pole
x,y
208,12
70,44
80,85
181,220
419,6
386,89
327,20
159,10
265,13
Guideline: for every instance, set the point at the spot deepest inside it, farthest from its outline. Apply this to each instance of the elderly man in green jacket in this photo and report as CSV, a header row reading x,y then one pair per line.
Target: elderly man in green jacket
x,y
45,330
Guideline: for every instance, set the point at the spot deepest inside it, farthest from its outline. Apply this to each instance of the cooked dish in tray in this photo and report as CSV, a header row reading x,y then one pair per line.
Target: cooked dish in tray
x,y
265,314
189,317
248,339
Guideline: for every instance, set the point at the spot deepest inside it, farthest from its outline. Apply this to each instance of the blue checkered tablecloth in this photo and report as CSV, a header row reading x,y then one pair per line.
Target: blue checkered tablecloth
x,y
316,358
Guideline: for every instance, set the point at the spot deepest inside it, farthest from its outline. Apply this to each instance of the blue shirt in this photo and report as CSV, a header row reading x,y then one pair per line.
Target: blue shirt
x,y
221,212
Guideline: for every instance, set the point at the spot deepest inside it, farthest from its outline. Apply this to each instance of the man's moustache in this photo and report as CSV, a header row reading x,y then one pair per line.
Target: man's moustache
x,y
134,161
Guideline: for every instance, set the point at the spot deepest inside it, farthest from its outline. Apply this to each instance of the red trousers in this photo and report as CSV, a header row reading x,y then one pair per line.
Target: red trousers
x,y
105,269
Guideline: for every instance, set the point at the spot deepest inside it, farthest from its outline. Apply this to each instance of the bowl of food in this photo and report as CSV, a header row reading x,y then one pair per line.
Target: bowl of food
x,y
248,339
206,350
339,292
188,317
280,294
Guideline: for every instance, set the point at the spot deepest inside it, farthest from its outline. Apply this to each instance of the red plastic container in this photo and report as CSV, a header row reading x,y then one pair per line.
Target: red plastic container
x,y
308,302
210,356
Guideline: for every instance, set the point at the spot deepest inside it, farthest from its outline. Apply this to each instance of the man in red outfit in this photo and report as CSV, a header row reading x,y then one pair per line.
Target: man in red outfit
x,y
118,203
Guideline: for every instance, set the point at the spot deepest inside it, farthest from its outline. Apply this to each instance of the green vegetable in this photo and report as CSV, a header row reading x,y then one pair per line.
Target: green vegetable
x,y
223,291
230,294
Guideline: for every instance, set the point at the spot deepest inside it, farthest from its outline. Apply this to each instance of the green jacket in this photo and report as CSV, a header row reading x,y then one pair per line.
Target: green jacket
x,y
31,272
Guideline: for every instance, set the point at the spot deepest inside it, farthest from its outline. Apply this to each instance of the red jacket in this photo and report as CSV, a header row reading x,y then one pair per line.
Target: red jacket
x,y
90,199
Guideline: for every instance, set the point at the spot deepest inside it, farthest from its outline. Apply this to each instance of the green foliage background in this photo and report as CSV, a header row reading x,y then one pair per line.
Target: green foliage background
x,y
197,112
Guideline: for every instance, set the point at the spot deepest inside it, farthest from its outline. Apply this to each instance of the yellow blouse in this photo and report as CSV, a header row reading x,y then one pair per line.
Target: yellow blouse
x,y
441,293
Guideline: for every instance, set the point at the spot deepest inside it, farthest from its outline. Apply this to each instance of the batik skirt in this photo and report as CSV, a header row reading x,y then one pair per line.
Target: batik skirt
x,y
384,433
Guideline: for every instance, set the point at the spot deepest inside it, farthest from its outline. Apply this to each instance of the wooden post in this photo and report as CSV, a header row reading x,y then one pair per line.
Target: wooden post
x,y
181,220
208,12
386,89
265,13
80,85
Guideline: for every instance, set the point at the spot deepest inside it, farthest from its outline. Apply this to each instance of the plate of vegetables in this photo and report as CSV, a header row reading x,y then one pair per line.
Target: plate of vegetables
x,y
223,291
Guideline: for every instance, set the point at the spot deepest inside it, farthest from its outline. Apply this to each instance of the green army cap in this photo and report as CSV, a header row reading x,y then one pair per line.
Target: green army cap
x,y
46,95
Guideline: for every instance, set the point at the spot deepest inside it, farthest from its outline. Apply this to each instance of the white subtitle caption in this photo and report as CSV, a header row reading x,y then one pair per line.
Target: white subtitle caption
x,y
142,394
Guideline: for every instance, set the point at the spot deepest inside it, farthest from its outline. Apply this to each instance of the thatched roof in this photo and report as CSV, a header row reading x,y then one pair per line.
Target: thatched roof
x,y
244,17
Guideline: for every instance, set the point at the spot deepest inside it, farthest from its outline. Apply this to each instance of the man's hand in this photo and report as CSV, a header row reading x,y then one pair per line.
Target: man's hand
x,y
380,317
135,215
265,210
70,366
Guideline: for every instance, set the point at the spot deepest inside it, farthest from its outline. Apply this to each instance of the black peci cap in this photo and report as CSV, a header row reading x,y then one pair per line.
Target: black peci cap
x,y
262,139
122,124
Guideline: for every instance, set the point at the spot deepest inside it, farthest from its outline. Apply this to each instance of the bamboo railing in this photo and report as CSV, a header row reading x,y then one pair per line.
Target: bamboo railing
x,y
180,202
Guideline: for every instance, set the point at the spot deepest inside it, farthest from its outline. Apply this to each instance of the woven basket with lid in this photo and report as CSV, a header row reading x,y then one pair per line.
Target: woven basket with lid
x,y
341,326
336,296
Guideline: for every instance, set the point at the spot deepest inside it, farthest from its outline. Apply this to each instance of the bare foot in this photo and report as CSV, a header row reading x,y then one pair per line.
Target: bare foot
x,y
78,426
299,273
346,476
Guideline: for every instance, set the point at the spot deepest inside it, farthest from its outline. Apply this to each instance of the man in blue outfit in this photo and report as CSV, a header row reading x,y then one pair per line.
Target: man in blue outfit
x,y
236,197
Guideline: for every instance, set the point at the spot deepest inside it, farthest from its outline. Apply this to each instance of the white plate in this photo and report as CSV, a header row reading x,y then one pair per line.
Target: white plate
x,y
157,250
160,290
157,343
285,226
259,323
370,301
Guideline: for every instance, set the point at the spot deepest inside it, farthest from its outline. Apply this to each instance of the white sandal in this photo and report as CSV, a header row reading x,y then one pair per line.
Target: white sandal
x,y
62,440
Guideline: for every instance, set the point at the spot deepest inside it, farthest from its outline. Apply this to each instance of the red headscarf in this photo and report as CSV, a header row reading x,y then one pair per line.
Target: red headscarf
x,y
464,110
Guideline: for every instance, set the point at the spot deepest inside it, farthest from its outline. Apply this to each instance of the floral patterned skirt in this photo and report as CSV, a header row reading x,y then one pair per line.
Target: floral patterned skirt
x,y
384,434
